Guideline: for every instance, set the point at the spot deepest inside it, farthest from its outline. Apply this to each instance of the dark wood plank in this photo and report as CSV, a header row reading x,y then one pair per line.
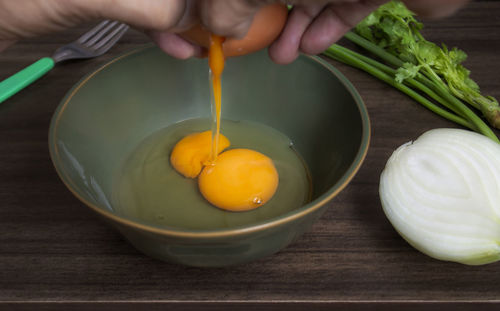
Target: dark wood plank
x,y
53,249
255,306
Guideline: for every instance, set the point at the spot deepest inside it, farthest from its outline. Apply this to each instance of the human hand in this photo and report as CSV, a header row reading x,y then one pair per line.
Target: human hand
x,y
311,27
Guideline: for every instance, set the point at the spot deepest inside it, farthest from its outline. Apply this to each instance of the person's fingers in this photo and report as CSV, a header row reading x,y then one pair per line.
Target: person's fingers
x,y
145,14
433,8
28,18
286,48
176,46
333,22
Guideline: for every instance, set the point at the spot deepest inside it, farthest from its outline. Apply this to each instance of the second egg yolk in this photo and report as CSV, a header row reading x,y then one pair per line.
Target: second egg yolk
x,y
241,179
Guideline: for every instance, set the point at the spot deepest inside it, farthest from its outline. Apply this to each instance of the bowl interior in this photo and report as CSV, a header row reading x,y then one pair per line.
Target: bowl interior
x,y
107,114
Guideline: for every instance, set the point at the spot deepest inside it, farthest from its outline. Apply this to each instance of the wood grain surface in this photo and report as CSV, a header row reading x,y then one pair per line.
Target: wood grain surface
x,y
56,254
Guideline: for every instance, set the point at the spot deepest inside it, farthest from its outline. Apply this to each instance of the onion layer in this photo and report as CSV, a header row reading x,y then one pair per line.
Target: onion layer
x,y
442,194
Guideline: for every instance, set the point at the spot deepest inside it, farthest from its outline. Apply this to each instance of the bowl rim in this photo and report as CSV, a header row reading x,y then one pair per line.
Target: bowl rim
x,y
218,233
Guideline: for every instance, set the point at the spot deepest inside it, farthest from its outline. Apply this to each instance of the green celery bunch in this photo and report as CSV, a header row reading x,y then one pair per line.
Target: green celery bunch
x,y
418,67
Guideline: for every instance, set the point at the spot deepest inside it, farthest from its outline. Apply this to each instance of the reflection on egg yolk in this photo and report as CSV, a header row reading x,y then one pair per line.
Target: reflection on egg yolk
x,y
192,152
241,179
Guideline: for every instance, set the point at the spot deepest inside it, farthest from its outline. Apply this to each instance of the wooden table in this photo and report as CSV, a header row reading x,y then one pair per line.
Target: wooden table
x,y
55,253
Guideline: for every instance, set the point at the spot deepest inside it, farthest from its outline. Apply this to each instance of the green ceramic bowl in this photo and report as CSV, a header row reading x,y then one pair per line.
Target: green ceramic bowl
x,y
110,111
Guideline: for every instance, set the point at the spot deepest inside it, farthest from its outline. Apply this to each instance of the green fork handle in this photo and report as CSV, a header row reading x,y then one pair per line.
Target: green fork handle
x,y
25,77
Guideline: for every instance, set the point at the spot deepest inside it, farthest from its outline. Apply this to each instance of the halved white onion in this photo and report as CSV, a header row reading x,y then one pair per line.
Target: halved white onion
x,y
442,194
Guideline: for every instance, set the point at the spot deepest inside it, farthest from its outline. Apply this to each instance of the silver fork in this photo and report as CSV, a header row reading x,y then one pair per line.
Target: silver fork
x,y
93,43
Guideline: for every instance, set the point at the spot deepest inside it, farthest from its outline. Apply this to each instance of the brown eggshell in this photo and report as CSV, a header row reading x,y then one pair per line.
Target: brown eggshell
x,y
266,27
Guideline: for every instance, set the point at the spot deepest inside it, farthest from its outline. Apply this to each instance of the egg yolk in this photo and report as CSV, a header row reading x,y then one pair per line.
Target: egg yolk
x,y
241,179
192,152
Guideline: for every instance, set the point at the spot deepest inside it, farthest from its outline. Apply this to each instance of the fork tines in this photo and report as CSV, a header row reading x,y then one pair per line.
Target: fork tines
x,y
104,35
